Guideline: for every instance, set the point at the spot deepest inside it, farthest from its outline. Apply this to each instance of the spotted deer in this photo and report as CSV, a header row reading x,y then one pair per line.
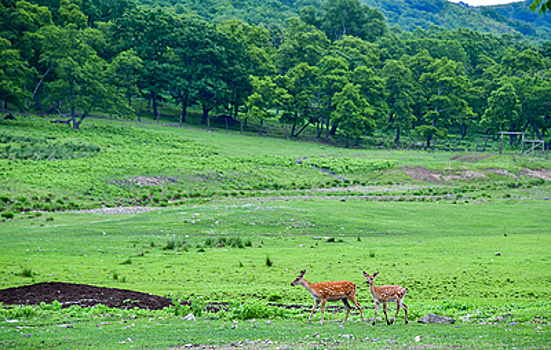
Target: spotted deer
x,y
384,294
329,291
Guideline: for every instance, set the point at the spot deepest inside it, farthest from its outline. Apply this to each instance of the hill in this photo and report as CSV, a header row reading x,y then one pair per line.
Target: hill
x,y
513,19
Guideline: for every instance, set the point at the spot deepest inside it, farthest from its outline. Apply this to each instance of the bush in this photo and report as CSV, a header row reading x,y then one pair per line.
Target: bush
x,y
7,215
256,310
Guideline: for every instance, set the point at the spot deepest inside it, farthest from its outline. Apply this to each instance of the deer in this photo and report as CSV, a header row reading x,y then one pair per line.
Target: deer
x,y
329,291
384,294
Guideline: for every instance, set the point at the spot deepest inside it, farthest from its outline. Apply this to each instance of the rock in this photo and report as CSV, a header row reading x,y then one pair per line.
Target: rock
x,y
417,339
434,318
190,317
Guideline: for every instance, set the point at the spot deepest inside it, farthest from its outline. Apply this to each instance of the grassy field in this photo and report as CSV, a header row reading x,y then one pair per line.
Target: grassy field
x,y
235,218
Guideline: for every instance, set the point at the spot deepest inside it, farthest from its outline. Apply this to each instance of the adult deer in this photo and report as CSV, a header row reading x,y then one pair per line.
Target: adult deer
x,y
329,291
384,294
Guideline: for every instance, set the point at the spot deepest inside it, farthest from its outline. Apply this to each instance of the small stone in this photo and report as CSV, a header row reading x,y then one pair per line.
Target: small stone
x,y
513,323
434,318
498,254
417,339
189,317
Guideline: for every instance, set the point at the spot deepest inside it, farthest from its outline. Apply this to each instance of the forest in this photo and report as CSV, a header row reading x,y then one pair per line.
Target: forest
x,y
335,67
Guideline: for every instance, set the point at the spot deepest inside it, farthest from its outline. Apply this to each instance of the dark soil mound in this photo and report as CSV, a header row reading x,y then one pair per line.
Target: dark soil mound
x,y
81,294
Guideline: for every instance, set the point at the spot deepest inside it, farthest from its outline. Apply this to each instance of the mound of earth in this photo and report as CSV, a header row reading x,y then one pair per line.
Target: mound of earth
x,y
81,294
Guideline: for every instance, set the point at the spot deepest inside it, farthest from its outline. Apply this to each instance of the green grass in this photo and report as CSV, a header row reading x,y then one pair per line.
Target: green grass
x,y
242,218
166,332
437,250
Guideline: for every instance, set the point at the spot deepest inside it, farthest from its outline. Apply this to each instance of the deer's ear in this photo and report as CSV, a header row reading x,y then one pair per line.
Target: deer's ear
x,y
376,274
303,272
365,274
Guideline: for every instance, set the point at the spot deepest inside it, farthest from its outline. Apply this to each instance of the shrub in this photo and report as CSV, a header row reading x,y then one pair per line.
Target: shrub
x,y
256,310
7,215
26,272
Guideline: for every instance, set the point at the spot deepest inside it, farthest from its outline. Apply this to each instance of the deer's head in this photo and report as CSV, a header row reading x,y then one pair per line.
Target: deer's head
x,y
299,278
370,278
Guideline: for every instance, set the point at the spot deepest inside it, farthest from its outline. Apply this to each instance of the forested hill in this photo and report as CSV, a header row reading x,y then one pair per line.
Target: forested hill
x,y
513,19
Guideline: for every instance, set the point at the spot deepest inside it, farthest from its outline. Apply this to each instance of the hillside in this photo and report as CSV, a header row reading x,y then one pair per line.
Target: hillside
x,y
513,19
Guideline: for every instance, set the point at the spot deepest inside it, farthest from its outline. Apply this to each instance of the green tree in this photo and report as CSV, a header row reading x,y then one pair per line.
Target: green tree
x,y
503,112
81,79
334,76
302,107
399,84
264,99
352,112
14,76
302,43
151,34
124,72
350,17
445,87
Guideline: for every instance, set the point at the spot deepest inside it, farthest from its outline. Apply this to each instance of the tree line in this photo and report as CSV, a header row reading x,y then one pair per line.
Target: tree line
x,y
337,67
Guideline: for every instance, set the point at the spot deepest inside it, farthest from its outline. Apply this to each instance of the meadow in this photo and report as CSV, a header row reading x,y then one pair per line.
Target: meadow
x,y
234,219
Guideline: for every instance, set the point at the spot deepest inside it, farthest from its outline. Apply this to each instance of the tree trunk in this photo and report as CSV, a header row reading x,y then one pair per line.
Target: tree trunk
x,y
36,92
463,131
154,104
397,138
72,99
327,131
486,140
428,141
184,112
333,130
260,128
347,140
302,129
206,111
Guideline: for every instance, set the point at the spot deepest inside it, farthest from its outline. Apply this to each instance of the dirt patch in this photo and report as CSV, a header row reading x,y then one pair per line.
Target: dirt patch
x,y
423,174
151,180
69,294
501,172
464,175
544,174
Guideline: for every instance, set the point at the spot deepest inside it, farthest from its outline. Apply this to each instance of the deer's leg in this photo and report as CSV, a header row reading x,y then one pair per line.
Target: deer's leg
x,y
353,299
386,315
398,302
312,312
404,306
376,309
347,307
322,309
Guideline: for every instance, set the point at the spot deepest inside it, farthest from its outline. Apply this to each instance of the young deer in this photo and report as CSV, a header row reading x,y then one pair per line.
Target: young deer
x,y
384,294
329,291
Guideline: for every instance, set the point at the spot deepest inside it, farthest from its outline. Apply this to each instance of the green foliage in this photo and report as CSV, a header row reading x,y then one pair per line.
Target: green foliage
x,y
21,147
254,310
